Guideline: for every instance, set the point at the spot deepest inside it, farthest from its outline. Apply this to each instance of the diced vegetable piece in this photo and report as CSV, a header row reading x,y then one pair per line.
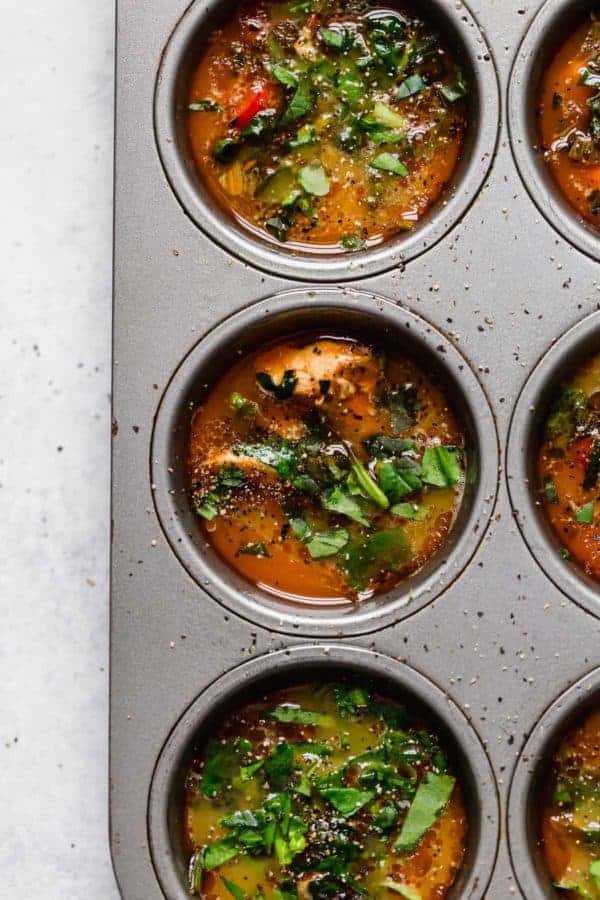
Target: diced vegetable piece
x,y
313,179
389,162
455,91
387,116
414,84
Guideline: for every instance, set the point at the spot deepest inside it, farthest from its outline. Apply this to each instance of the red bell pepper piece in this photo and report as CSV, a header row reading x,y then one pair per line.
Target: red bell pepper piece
x,y
256,103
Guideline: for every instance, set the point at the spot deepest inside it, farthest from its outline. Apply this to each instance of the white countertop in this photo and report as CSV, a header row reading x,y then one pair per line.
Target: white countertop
x,y
55,317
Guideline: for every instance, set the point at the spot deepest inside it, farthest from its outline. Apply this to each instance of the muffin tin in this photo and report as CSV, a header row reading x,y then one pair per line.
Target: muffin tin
x,y
495,293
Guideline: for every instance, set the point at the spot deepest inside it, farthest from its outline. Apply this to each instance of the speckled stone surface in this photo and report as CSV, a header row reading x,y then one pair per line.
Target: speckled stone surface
x,y
55,302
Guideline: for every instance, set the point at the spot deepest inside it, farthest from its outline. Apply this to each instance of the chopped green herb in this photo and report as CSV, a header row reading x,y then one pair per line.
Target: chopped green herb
x,y
305,136
346,801
248,772
387,116
283,75
261,126
233,889
594,201
281,391
402,404
226,150
550,492
231,477
259,549
301,103
218,853
327,543
568,412
399,478
352,242
300,528
337,39
382,446
414,511
280,765
366,558
403,889
242,405
433,795
350,700
295,715
340,502
389,162
592,469
455,91
207,507
195,872
205,106
414,84
367,486
585,515
441,466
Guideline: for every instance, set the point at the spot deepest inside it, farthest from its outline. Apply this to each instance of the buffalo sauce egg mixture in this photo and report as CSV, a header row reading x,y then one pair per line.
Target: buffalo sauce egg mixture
x,y
570,119
323,791
324,472
569,465
570,822
334,125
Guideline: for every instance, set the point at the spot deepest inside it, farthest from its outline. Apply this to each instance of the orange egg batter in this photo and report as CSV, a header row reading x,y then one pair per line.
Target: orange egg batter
x,y
568,483
275,525
331,144
565,118
570,818
343,744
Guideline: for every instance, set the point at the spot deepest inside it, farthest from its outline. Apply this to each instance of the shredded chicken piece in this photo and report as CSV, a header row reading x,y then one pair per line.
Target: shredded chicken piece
x,y
326,368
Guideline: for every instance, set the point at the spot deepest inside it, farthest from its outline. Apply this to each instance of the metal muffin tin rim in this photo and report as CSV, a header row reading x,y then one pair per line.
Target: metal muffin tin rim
x,y
475,874
523,87
224,585
266,256
569,349
537,751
